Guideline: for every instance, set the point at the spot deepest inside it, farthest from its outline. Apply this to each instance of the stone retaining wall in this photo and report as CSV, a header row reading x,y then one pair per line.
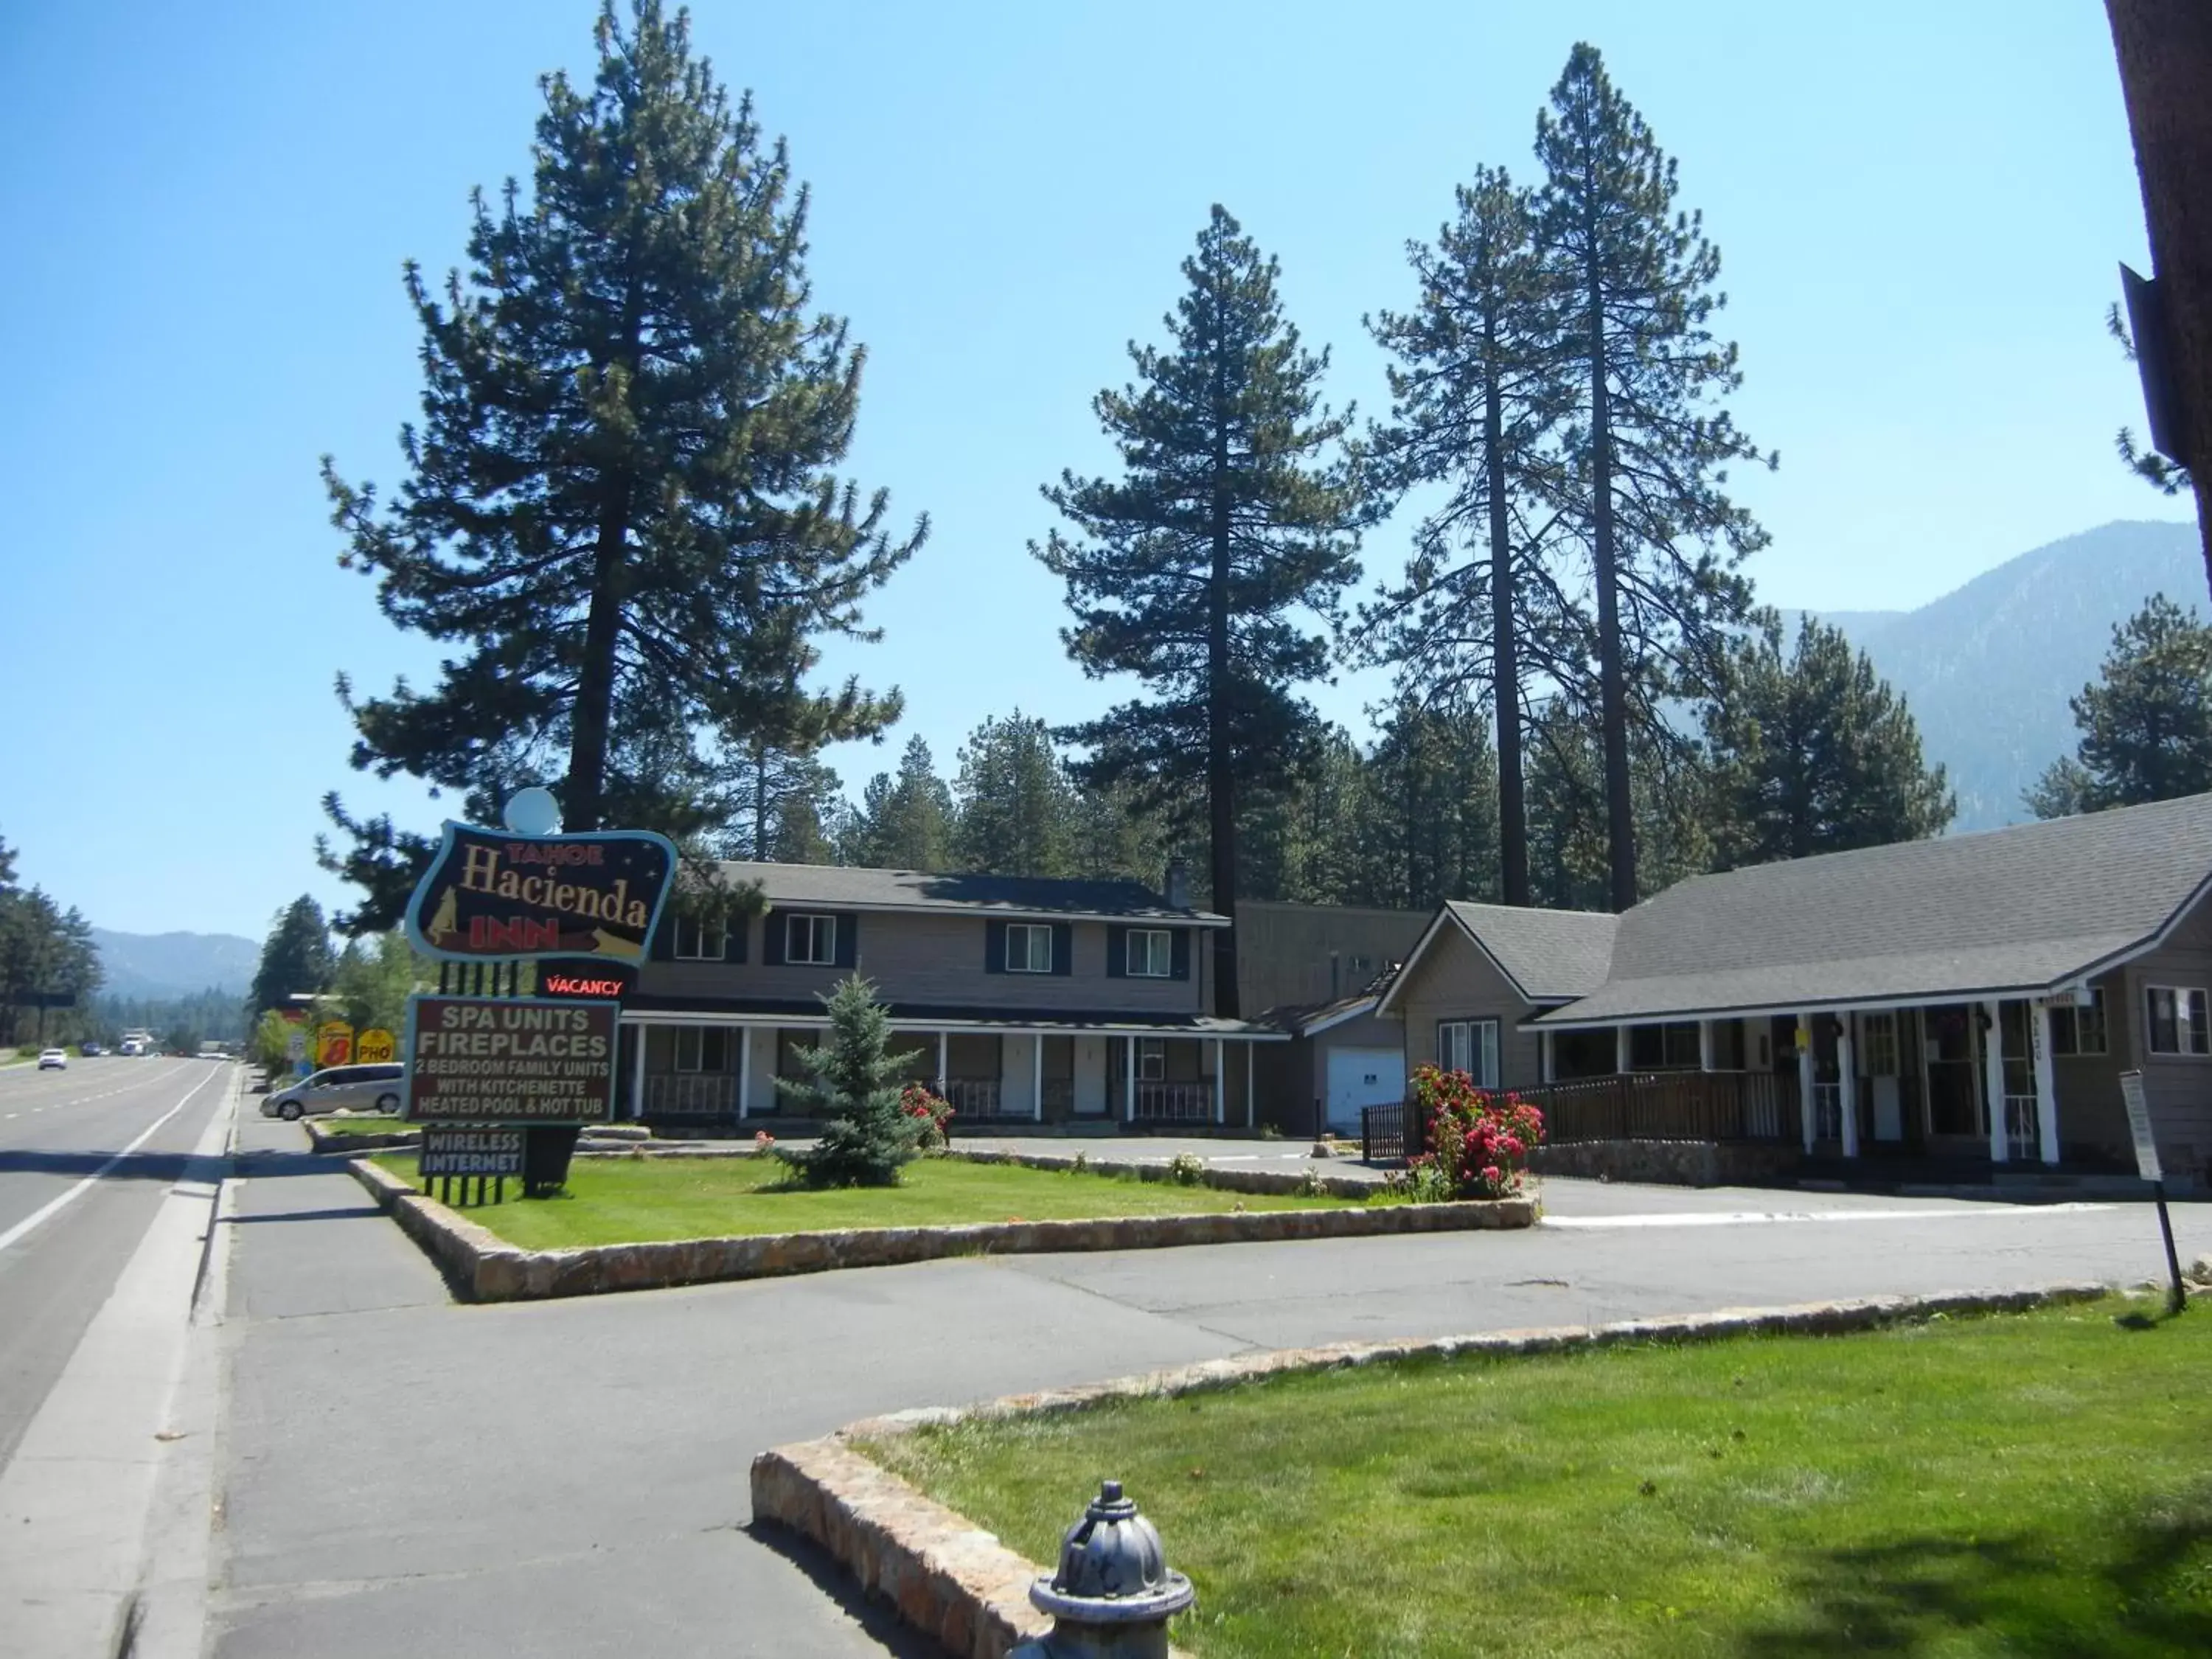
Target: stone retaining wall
x,y
958,1584
484,1267
1670,1163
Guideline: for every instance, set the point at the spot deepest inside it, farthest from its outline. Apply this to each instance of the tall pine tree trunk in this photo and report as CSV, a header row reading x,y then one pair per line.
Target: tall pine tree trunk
x,y
2164,53
1505,677
595,680
1220,775
1612,689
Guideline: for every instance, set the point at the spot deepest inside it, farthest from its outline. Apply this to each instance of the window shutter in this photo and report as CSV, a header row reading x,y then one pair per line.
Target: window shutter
x,y
733,938
1182,954
994,947
1063,949
1117,953
774,931
848,939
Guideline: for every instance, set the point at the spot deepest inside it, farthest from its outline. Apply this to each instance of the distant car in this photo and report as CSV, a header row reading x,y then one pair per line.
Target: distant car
x,y
131,1049
91,1050
52,1060
338,1088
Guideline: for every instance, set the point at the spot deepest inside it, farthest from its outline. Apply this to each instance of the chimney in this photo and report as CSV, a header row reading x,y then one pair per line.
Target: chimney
x,y
1178,884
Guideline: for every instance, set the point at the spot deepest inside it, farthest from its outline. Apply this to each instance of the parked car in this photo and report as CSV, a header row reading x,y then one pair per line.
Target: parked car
x,y
337,1088
91,1050
53,1059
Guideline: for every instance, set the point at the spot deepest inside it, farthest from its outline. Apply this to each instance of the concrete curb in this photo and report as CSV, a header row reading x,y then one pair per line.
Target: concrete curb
x,y
958,1584
484,1267
320,1140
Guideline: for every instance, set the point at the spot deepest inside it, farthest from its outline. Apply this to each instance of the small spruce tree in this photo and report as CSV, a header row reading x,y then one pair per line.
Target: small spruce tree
x,y
852,1084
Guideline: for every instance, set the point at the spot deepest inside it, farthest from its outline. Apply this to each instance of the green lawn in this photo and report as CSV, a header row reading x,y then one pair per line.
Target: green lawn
x,y
2033,1485
362,1126
617,1201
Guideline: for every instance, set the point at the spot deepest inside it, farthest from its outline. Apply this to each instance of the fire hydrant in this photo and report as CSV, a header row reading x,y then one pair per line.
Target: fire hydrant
x,y
1114,1592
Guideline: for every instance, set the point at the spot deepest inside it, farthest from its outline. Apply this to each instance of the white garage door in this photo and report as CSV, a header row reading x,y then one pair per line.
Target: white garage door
x,y
1363,1077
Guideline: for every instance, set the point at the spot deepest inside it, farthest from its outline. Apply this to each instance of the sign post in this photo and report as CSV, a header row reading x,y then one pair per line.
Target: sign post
x,y
2146,1165
502,1086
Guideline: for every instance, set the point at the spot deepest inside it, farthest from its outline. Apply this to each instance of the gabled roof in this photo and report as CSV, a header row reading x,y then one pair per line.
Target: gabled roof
x,y
1547,956
787,886
2003,913
1311,1018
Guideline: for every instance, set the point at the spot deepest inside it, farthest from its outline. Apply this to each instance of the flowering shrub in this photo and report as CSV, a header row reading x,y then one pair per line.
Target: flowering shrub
x,y
1478,1142
932,1110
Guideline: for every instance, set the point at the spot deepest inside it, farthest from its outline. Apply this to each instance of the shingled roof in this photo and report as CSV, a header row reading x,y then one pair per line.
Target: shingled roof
x,y
2004,913
844,887
1548,956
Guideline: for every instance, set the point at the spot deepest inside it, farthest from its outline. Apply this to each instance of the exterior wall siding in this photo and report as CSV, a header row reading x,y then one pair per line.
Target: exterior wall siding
x,y
2177,1087
1454,981
1282,949
937,962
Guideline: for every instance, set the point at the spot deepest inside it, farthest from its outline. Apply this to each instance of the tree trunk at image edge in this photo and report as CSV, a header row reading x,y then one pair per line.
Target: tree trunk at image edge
x,y
1220,775
595,685
1613,690
1512,798
2164,53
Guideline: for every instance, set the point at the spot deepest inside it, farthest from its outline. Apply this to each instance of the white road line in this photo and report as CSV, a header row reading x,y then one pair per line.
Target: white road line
x,y
1767,1217
22,1229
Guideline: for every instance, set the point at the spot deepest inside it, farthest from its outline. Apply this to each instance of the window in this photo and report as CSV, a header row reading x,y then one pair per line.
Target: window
x,y
2078,1031
702,1048
1152,953
1151,1056
1469,1046
1029,948
1664,1047
811,939
2178,1021
1877,1039
701,940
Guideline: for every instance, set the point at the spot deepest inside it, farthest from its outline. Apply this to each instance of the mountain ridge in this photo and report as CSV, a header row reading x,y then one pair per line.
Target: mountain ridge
x,y
157,967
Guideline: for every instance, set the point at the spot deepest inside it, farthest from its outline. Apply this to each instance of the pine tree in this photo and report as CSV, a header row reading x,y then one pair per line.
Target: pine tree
x,y
620,505
1814,753
852,1084
1011,800
1111,838
2146,724
1237,510
45,950
1670,795
905,821
1432,800
1647,447
1477,390
295,958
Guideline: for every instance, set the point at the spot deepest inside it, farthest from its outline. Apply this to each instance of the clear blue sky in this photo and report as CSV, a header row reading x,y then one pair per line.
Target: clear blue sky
x,y
1919,205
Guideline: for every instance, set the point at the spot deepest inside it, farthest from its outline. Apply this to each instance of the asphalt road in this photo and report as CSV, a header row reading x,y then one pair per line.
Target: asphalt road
x,y
569,1477
80,1176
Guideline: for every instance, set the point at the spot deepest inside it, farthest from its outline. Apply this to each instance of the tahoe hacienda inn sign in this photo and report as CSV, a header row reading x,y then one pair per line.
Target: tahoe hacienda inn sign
x,y
501,1085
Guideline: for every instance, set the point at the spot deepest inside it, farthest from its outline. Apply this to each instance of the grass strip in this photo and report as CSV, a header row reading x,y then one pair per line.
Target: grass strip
x,y
2030,1484
618,1200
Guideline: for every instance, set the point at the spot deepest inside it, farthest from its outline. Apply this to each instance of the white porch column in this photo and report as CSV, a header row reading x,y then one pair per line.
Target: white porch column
x,y
1847,1085
744,1070
1129,1085
1808,1118
1251,1055
637,1075
1544,1055
1705,1045
1622,1048
1993,1081
1037,1077
1220,1084
2046,1085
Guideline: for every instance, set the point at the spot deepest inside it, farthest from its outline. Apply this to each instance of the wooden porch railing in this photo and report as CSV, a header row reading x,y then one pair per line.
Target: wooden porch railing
x,y
1640,1106
691,1094
1669,1106
1175,1103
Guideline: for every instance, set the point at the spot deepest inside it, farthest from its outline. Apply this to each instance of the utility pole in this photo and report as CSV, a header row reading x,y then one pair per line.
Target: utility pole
x,y
2164,53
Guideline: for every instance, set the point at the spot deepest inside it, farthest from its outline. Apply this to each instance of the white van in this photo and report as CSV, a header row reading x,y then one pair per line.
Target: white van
x,y
337,1088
